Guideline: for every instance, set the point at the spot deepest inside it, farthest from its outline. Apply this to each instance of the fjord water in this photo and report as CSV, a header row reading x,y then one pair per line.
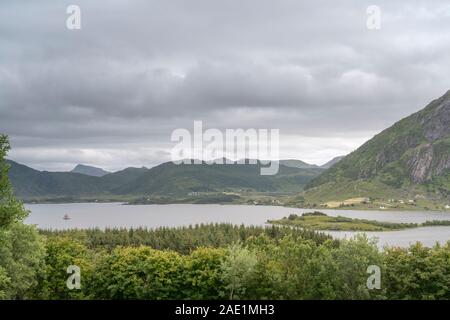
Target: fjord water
x,y
102,215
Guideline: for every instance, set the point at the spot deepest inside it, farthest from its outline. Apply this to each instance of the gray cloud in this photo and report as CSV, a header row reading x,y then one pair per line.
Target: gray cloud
x,y
111,93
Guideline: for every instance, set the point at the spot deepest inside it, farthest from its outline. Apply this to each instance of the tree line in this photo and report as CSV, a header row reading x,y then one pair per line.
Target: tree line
x,y
182,239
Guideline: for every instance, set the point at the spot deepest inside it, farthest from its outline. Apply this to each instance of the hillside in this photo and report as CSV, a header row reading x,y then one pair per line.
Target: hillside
x,y
293,163
412,158
166,179
169,178
28,182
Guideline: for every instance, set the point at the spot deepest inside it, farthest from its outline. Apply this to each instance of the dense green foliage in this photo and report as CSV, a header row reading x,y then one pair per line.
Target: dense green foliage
x,y
10,209
21,247
261,268
418,272
183,239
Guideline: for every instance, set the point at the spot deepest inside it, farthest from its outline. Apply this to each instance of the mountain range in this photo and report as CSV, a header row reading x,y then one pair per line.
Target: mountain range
x,y
164,179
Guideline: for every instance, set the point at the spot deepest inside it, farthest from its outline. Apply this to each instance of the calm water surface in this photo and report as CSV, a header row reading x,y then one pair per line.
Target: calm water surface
x,y
90,215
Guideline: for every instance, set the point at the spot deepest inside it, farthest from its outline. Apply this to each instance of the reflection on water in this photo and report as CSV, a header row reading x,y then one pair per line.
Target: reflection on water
x,y
101,215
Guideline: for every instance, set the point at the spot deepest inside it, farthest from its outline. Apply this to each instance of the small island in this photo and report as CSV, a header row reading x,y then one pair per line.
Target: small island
x,y
320,221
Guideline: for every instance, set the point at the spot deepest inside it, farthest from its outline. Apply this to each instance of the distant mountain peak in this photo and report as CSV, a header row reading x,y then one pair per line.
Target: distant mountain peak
x,y
332,162
89,170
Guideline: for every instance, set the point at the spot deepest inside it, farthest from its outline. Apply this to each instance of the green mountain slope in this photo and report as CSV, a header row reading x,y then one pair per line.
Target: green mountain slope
x,y
28,182
169,178
113,181
410,157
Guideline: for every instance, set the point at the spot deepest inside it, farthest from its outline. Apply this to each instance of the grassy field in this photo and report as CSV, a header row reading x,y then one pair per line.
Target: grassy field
x,y
320,221
350,195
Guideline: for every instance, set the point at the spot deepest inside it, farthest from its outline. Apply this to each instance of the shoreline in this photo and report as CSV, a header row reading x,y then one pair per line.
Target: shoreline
x,y
125,202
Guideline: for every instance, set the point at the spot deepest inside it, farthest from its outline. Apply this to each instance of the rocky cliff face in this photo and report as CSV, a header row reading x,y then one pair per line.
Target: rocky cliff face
x,y
436,122
432,158
419,164
415,150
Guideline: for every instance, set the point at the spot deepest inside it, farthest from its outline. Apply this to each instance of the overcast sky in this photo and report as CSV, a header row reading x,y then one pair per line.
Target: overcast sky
x,y
111,93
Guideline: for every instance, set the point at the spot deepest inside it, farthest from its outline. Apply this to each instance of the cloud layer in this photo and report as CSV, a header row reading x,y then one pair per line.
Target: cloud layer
x,y
111,93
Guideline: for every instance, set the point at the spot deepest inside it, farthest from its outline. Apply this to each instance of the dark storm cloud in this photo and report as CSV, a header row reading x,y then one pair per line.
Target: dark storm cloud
x,y
111,93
